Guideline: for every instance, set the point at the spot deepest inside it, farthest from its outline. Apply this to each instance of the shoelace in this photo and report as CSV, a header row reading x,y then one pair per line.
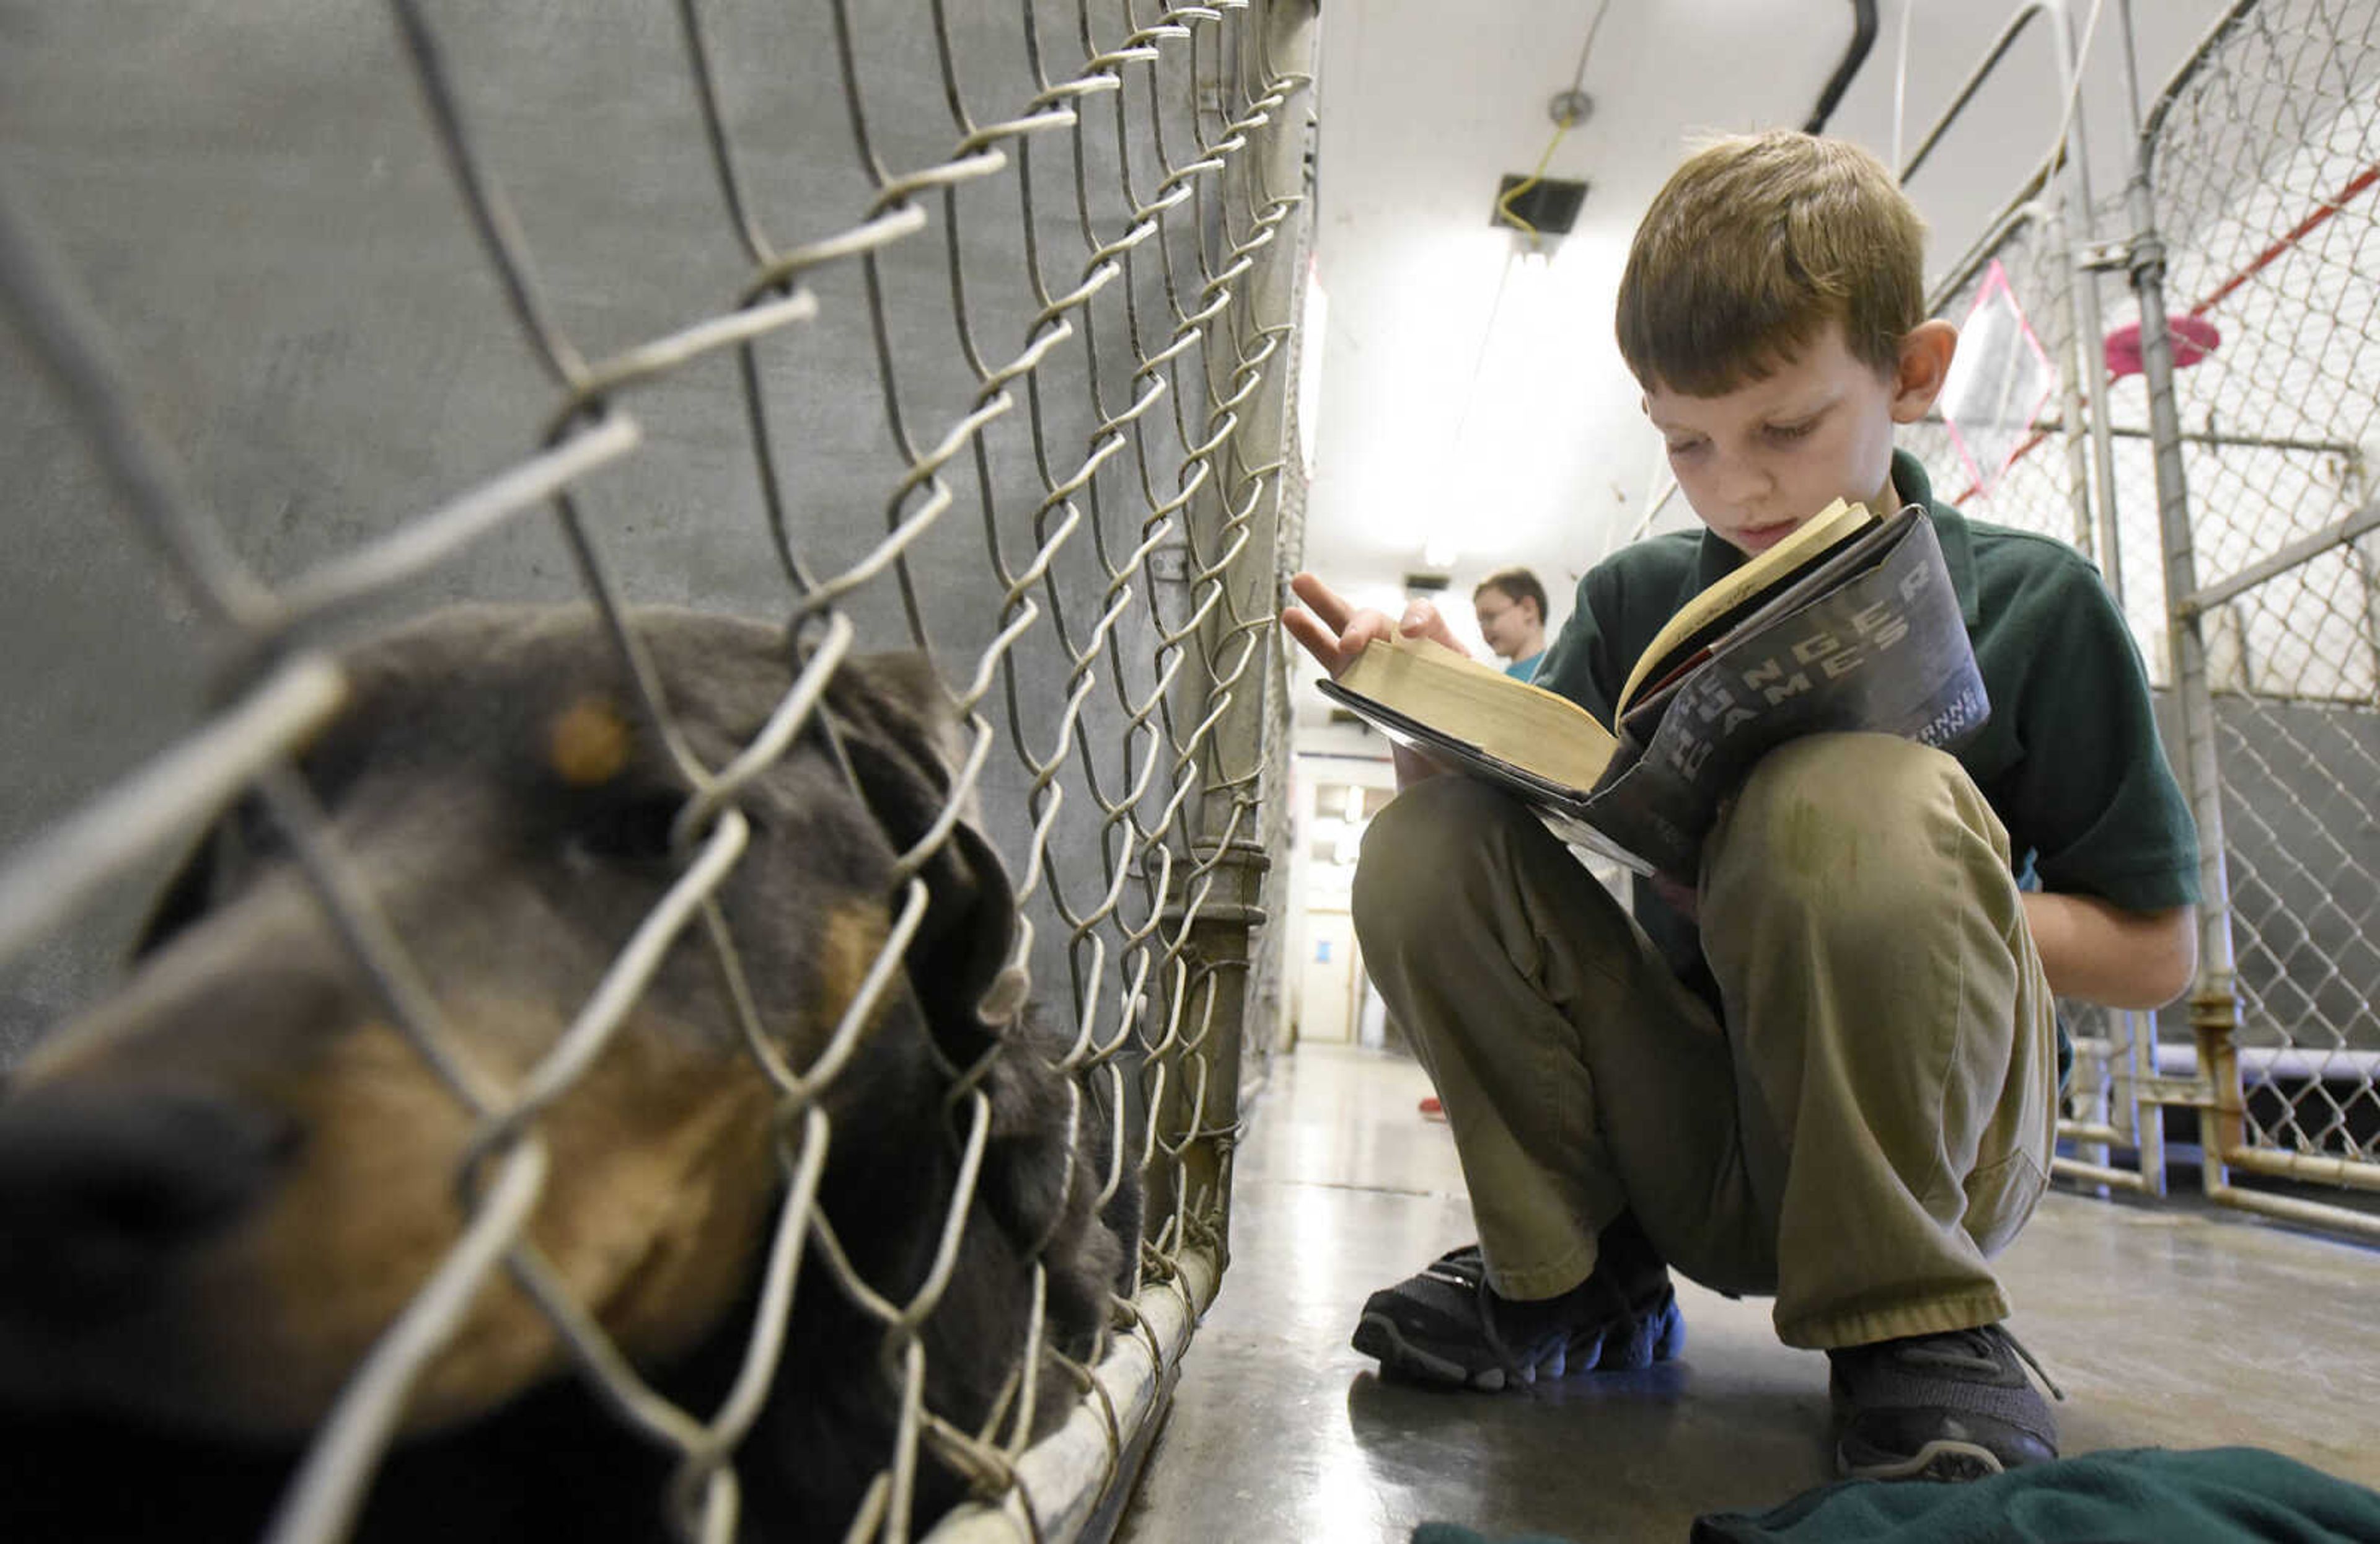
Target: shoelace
x,y
1932,1350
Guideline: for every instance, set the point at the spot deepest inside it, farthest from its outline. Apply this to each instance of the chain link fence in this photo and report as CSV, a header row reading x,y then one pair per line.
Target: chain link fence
x,y
2260,158
996,370
2245,564
2048,487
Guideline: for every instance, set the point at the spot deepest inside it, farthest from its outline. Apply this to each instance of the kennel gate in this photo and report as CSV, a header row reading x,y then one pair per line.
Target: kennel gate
x,y
2226,488
993,361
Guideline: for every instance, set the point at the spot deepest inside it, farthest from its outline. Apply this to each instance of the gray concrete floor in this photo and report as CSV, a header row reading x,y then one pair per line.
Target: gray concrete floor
x,y
2167,1325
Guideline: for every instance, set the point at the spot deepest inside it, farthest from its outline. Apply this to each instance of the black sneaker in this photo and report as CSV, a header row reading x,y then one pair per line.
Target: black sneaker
x,y
1448,1325
1953,1406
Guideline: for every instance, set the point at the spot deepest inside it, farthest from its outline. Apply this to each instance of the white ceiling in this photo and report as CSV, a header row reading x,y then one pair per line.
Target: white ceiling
x,y
1524,438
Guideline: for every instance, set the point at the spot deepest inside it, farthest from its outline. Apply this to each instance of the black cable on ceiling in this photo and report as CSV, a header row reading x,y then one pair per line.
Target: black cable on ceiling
x,y
1863,39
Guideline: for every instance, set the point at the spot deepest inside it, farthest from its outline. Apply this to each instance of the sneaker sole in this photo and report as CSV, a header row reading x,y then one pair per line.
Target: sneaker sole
x,y
1943,1461
1633,1345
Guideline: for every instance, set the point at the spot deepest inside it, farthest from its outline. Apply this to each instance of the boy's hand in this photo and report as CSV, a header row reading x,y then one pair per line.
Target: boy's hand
x,y
1335,633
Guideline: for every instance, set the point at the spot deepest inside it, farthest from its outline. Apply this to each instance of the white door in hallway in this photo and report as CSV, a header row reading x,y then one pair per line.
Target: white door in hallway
x,y
1325,986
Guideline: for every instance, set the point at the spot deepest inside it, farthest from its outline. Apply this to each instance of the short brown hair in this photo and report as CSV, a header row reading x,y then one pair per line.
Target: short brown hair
x,y
1515,585
1752,247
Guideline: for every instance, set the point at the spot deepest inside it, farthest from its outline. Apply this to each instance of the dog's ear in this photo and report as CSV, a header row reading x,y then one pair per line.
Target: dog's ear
x,y
185,898
898,731
215,863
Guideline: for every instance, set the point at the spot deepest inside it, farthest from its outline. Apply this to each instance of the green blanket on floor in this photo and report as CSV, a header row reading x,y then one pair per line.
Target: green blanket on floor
x,y
2148,1495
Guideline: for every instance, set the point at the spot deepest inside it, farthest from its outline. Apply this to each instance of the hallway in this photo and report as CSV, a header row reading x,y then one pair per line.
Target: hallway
x,y
2166,1325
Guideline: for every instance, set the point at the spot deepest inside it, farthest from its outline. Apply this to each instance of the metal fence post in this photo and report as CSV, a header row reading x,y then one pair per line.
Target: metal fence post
x,y
1235,532
2213,998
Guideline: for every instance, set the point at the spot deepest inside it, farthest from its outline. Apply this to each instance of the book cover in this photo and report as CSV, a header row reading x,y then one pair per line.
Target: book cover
x,y
1869,637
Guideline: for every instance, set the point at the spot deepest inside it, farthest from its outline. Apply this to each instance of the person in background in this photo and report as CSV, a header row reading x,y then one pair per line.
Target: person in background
x,y
1511,606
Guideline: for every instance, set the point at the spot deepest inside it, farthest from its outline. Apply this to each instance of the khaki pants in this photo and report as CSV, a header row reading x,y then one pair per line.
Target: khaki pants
x,y
1872,1121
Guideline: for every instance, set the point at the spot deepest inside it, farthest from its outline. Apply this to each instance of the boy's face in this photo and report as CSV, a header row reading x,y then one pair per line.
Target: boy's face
x,y
1504,622
1759,460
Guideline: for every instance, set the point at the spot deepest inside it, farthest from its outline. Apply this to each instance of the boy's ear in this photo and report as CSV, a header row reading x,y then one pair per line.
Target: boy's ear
x,y
1924,364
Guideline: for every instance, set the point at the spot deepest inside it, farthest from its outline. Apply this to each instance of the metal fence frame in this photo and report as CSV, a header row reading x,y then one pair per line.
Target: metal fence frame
x,y
2163,234
2127,486
1194,829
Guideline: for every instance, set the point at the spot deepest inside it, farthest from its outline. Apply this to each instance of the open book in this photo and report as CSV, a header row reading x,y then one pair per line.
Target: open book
x,y
1848,622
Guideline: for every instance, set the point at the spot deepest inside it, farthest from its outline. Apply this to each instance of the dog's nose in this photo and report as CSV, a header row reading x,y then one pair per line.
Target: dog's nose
x,y
100,1189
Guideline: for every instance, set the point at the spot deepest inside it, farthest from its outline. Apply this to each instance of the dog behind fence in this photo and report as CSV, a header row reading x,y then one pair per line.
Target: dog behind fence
x,y
730,910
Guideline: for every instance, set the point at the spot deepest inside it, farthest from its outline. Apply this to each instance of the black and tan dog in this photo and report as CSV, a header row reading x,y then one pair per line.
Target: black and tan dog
x,y
218,1188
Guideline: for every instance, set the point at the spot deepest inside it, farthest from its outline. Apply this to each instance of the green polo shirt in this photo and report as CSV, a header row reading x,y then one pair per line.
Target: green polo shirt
x,y
2069,759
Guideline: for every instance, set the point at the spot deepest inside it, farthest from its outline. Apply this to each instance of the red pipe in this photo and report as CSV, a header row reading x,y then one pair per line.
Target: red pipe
x,y
2363,181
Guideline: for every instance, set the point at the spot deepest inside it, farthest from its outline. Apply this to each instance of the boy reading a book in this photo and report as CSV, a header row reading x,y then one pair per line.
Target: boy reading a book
x,y
1828,1070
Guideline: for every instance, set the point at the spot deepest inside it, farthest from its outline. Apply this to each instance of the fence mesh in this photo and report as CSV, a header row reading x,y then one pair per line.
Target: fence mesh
x,y
1063,284
2262,158
2047,489
2264,167
2039,490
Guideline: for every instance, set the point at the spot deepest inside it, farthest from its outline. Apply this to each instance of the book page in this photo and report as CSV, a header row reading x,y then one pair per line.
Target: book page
x,y
1541,731
1808,542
